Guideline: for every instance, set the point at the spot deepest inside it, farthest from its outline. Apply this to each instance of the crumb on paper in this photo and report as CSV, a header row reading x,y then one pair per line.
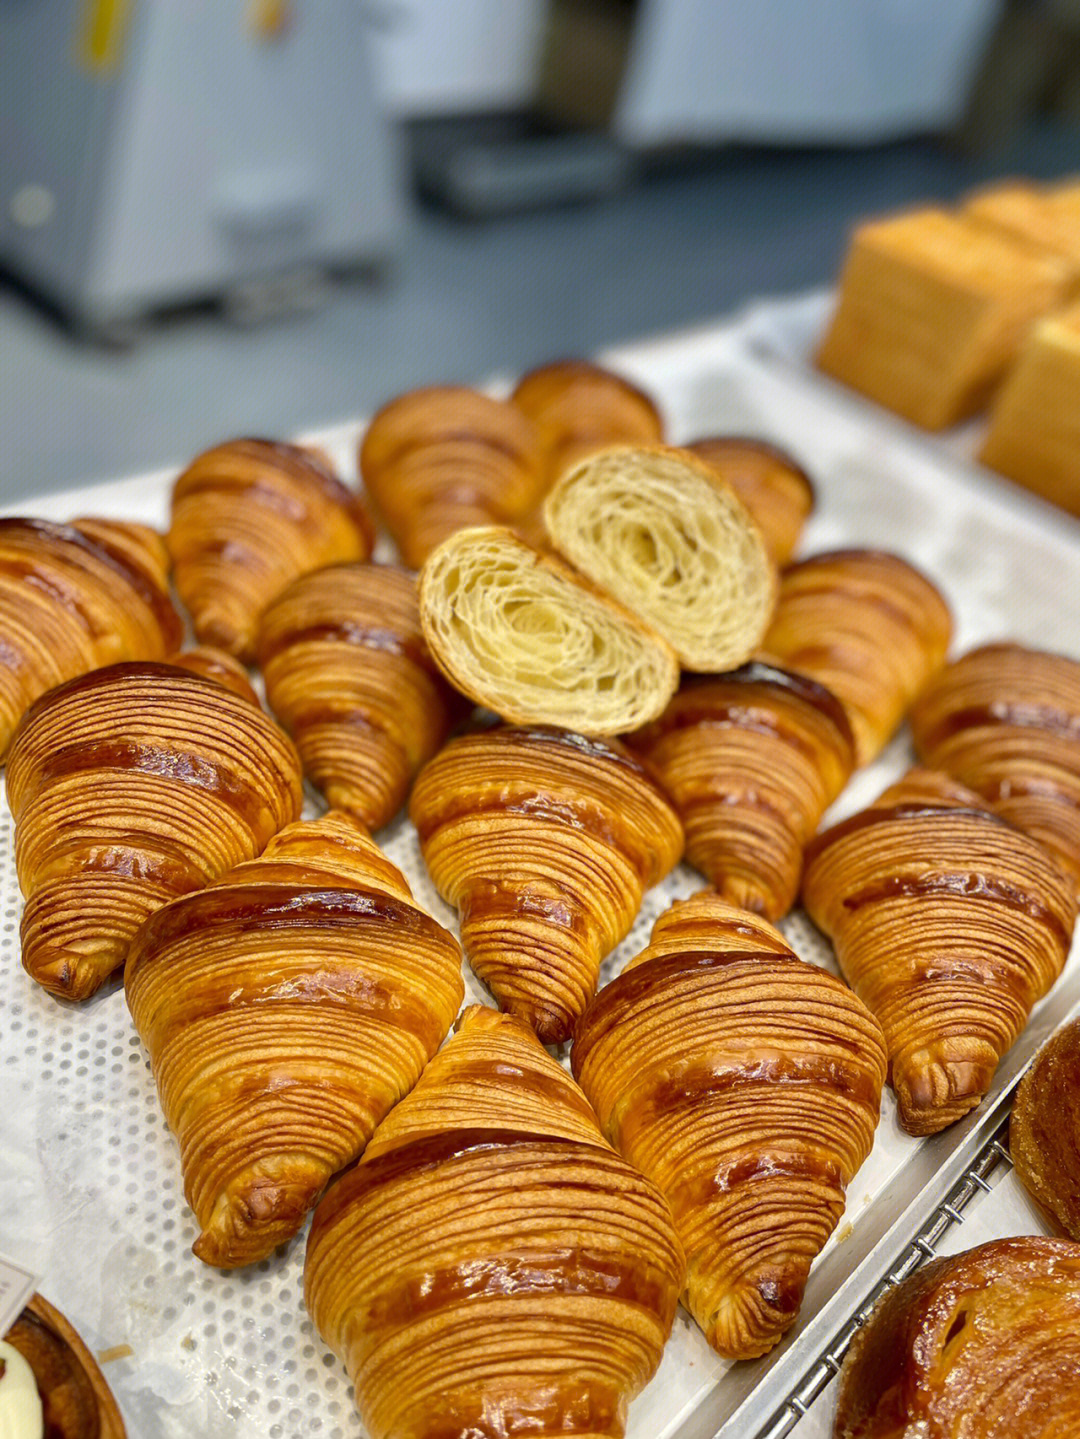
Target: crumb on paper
x,y
188,1342
846,1230
118,1351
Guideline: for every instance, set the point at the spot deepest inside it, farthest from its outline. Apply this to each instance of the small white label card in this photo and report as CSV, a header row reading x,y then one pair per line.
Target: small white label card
x,y
16,1286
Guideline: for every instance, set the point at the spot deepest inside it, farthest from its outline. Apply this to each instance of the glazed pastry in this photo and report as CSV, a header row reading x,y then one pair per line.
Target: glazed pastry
x,y
579,408
866,625
73,1399
491,1266
545,842
657,529
215,664
747,1084
443,459
247,518
1044,1129
950,924
286,1009
350,677
752,760
131,786
1005,721
522,634
979,1345
73,598
777,492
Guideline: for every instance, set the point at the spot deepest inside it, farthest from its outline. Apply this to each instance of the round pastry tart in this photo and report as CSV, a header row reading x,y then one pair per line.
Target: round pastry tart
x,y
50,1383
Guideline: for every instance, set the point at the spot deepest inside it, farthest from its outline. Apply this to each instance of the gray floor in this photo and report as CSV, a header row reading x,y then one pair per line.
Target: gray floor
x,y
464,300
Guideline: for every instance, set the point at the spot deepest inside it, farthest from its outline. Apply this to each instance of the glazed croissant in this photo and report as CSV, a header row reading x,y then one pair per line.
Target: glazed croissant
x,y
983,1344
73,598
76,1401
286,1009
752,760
443,459
579,408
249,516
217,665
950,924
1044,1128
747,1084
866,625
491,1266
545,842
350,677
1005,721
128,787
777,491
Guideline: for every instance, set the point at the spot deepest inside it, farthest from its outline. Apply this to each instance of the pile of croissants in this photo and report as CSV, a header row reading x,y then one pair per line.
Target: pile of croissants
x,y
498,1248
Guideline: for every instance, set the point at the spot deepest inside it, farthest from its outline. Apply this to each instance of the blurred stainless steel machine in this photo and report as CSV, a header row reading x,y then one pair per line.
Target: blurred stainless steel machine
x,y
155,152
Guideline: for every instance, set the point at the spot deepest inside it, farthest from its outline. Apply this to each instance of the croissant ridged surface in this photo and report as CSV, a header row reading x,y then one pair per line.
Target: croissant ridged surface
x,y
868,626
247,518
349,675
979,1345
1044,1128
747,1084
545,842
74,598
491,1267
773,487
130,786
286,1009
752,760
579,408
1005,721
950,923
217,665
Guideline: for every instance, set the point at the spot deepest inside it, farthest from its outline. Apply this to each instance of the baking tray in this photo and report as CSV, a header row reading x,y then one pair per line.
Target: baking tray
x,y
90,1189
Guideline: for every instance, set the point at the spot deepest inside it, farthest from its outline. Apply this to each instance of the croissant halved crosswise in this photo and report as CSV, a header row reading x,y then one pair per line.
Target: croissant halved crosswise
x,y
443,459
130,786
752,760
350,676
545,842
950,923
76,1402
247,518
777,491
286,1009
1005,721
747,1084
73,598
979,1345
868,626
1044,1128
491,1266
579,407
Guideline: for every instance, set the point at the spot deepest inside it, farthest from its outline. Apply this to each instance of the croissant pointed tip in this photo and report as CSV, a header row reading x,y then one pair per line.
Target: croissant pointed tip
x,y
254,1217
756,1314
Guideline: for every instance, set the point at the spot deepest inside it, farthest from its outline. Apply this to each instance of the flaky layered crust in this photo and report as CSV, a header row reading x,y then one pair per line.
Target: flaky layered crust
x,y
545,842
1044,1128
950,924
75,1399
773,487
285,1010
491,1266
747,1085
579,408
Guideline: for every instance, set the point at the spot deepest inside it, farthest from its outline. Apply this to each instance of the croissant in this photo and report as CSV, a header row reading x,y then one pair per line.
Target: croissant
x,y
777,491
545,842
248,517
215,664
657,529
522,634
982,1344
579,408
491,1266
74,1400
866,625
72,598
443,459
130,786
350,677
1005,721
286,1009
950,924
1044,1129
752,760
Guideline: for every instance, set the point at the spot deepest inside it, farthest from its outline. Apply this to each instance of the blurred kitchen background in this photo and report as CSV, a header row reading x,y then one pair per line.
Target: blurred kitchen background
x,y
224,217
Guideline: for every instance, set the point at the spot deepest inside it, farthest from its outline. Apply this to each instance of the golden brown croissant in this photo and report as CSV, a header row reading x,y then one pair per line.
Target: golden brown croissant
x,y
76,1402
866,625
349,675
1005,721
777,491
579,408
752,760
286,1009
215,664
545,842
128,787
950,924
1044,1129
491,1266
747,1084
443,459
247,518
73,598
979,1345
